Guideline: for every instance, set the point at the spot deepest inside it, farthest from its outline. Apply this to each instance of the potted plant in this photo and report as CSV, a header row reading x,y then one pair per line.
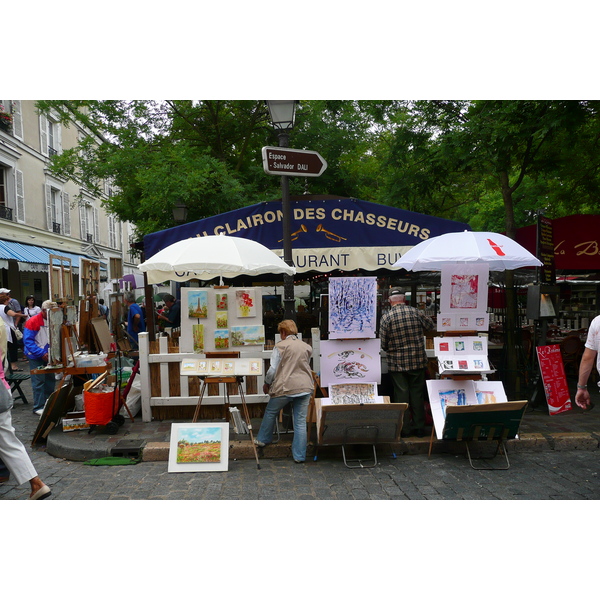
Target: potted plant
x,y
5,119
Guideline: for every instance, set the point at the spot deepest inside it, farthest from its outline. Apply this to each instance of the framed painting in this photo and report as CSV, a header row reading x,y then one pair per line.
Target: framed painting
x,y
196,447
352,307
464,289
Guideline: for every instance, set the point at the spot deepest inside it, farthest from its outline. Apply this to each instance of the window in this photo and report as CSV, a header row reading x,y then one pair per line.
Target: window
x,y
5,211
50,136
88,220
58,215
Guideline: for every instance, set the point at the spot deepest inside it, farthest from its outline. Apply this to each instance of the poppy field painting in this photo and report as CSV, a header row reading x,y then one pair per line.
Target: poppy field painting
x,y
199,447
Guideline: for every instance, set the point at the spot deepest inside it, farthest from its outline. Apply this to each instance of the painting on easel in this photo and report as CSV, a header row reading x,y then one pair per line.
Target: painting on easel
x,y
352,307
199,447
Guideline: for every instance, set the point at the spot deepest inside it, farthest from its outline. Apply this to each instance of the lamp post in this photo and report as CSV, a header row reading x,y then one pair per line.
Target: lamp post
x,y
282,114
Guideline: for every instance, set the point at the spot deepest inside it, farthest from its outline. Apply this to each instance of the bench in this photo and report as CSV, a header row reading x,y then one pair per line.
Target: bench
x,y
15,380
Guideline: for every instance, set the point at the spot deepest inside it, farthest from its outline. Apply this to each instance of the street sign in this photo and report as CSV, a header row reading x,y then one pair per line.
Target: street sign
x,y
286,161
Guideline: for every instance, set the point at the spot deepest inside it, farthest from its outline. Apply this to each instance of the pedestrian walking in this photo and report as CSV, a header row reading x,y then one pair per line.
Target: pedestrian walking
x,y
401,331
590,355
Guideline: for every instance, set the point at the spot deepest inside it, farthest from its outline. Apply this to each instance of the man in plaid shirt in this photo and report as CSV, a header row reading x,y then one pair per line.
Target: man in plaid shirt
x,y
401,331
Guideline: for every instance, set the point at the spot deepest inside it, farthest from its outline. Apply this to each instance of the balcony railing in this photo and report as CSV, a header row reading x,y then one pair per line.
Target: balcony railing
x,y
56,227
90,238
52,151
6,213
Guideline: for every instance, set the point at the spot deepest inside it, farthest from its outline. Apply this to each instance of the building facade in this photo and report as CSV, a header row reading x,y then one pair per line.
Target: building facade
x,y
43,215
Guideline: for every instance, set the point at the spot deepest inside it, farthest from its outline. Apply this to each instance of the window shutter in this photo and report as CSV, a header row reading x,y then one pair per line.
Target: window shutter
x,y
96,226
66,214
17,119
58,140
43,135
83,221
20,200
48,207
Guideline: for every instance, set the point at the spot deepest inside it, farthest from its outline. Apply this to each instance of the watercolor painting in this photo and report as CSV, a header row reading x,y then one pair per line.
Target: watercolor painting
x,y
198,337
245,301
463,291
198,304
352,307
221,319
221,337
247,335
221,301
199,447
353,393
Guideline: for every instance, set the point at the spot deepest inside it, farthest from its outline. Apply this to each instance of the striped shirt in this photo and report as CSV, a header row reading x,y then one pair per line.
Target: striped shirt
x,y
401,332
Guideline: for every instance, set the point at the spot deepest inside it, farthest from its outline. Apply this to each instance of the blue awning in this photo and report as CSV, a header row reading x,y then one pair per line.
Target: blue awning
x,y
26,253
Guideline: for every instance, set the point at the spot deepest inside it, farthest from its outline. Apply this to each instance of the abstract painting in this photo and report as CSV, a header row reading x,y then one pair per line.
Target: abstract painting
x,y
352,307
350,361
199,447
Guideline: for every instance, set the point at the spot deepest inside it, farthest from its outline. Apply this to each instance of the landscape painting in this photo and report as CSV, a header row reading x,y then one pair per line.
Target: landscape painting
x,y
199,447
352,307
247,335
198,304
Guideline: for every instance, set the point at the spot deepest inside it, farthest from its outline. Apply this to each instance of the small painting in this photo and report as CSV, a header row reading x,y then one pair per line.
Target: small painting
x,y
198,304
221,319
199,447
221,301
221,339
198,337
245,301
253,335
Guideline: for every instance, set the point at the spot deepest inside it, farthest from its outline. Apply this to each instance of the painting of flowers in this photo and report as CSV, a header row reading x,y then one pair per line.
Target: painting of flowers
x,y
199,447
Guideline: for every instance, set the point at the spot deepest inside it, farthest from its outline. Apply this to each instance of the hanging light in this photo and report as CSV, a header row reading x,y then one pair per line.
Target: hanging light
x,y
180,213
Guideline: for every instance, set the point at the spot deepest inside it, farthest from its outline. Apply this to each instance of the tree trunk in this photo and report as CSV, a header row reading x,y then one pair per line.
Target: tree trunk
x,y
511,321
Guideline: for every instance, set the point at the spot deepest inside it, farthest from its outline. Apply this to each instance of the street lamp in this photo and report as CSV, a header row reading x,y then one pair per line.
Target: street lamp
x,y
180,212
282,114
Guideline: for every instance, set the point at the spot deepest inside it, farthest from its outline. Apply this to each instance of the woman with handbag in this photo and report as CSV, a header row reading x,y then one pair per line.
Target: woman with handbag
x,y
12,333
13,456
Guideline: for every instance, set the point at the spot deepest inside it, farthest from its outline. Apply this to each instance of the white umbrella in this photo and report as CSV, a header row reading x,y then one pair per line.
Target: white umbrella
x,y
498,251
211,256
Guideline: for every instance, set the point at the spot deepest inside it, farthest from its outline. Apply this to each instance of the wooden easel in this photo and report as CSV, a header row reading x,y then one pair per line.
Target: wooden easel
x,y
237,379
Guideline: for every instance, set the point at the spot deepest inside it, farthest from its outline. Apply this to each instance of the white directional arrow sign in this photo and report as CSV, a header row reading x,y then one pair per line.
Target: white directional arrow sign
x,y
287,161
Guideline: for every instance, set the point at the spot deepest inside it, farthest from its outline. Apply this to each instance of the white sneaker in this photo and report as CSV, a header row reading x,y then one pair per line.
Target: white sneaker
x,y
259,444
39,412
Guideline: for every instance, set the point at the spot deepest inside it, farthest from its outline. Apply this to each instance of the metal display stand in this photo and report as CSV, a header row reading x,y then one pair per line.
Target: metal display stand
x,y
483,423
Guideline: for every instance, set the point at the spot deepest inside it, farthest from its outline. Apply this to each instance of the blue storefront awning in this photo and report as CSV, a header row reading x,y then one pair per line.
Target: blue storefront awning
x,y
38,255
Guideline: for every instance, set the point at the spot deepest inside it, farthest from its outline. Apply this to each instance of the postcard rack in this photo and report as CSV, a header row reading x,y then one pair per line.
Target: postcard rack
x,y
483,423
236,379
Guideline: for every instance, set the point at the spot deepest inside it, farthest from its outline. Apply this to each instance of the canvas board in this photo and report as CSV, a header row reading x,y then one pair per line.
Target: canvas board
x,y
352,307
197,447
353,393
355,361
222,366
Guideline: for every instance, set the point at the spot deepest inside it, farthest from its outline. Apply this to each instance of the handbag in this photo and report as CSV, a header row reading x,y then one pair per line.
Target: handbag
x,y
18,334
6,398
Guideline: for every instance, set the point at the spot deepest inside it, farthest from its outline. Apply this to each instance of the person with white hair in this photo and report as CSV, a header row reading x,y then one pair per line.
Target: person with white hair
x,y
401,331
36,348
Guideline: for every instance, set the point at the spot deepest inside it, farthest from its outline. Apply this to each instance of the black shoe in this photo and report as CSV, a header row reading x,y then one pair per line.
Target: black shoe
x,y
420,433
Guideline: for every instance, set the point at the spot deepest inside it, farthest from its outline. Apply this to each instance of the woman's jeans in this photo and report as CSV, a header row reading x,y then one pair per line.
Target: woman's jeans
x,y
300,409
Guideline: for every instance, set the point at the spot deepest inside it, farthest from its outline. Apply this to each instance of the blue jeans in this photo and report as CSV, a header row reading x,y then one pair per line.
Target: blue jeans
x,y
300,409
41,385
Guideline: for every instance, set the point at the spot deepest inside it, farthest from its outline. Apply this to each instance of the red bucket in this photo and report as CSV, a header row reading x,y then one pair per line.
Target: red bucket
x,y
100,407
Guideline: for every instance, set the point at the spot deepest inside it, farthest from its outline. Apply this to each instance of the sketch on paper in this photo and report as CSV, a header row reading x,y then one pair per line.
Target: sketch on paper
x,y
245,301
198,337
247,335
198,304
350,360
221,338
353,393
352,307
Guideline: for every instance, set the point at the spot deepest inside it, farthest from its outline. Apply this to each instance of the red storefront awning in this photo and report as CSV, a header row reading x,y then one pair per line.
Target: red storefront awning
x,y
576,241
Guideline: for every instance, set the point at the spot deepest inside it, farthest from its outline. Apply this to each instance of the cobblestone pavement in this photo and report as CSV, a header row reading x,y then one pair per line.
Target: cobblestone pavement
x,y
567,475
